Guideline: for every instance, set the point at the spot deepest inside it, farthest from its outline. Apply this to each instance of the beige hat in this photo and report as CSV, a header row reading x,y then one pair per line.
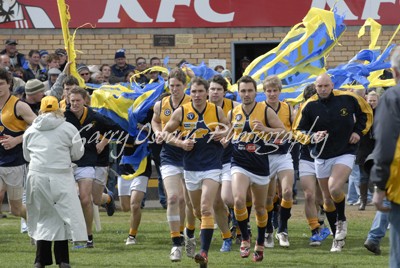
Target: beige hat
x,y
34,86
49,104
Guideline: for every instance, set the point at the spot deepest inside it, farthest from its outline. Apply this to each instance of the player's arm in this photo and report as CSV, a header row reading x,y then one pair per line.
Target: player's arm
x,y
22,110
156,122
173,123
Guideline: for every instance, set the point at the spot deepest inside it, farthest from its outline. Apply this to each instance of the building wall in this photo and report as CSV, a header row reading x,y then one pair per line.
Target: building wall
x,y
99,45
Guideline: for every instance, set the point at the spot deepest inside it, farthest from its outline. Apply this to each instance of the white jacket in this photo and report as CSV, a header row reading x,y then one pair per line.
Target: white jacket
x,y
53,209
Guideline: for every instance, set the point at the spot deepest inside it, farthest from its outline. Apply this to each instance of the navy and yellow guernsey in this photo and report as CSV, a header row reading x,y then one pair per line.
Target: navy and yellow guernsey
x,y
170,155
13,125
227,106
206,153
285,115
249,147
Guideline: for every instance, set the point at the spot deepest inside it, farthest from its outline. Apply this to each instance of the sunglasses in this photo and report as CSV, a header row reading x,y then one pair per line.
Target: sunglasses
x,y
141,63
84,74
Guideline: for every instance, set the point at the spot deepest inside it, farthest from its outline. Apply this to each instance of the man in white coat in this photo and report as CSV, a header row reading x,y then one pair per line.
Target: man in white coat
x,y
53,207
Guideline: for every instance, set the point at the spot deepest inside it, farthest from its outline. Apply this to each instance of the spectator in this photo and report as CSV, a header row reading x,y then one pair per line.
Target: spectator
x,y
44,55
105,69
34,92
32,68
84,72
155,61
52,74
63,57
17,59
53,61
97,77
140,67
227,74
120,69
219,68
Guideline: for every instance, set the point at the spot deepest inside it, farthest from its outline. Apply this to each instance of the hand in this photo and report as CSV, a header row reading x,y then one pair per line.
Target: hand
x,y
218,134
159,137
100,146
257,125
320,135
354,138
9,142
67,69
377,200
187,144
188,71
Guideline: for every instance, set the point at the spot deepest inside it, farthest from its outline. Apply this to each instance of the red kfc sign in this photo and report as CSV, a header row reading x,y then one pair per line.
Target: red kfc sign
x,y
188,13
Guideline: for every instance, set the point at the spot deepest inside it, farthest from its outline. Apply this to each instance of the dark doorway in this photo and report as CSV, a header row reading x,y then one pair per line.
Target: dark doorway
x,y
250,50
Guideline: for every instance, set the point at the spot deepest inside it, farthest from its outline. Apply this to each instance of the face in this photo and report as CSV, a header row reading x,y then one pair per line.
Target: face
x,y
53,78
77,103
43,59
4,88
219,69
156,62
324,86
63,59
272,94
153,75
37,97
141,65
54,64
11,49
198,93
5,61
216,92
121,62
247,93
35,59
100,78
373,101
66,90
85,74
176,87
106,71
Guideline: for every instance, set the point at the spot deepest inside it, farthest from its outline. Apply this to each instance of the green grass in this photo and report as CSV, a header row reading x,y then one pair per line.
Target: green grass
x,y
154,245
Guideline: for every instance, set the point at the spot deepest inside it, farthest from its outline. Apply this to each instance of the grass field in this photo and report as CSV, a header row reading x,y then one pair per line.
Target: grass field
x,y
154,245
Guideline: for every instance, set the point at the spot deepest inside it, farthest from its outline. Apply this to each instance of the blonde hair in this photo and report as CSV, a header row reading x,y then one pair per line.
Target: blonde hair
x,y
272,81
373,93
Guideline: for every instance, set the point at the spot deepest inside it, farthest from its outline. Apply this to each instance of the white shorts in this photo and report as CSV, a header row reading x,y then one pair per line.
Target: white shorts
x,y
306,168
101,175
84,173
323,167
125,187
194,179
256,179
226,172
12,179
279,162
170,170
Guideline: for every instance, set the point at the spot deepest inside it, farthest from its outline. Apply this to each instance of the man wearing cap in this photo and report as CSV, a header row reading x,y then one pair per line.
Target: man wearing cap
x,y
120,69
34,93
44,54
16,58
84,72
63,57
54,211
15,117
52,75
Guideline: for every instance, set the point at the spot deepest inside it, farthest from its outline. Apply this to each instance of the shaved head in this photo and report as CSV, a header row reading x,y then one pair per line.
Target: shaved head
x,y
324,86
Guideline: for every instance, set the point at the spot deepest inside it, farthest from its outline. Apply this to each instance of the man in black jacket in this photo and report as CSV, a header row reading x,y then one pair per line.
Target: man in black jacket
x,y
336,119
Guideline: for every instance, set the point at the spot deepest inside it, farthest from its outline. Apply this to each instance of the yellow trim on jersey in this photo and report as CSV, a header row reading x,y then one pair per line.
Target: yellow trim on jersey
x,y
365,108
227,105
393,183
191,119
84,115
8,117
167,110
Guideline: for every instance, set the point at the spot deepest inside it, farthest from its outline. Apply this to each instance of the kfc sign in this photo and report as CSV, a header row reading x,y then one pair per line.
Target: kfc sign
x,y
189,13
